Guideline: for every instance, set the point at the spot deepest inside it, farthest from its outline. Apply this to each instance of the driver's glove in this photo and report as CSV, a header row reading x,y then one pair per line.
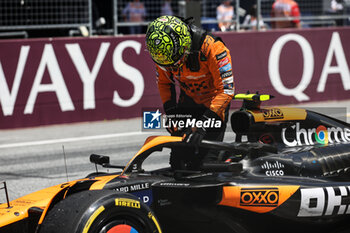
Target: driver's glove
x,y
194,136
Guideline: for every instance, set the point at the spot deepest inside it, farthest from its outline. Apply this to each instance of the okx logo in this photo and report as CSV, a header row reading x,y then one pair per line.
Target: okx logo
x,y
152,119
266,197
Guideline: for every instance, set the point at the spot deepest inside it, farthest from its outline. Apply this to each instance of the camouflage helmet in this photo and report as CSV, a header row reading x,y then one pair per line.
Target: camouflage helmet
x,y
168,39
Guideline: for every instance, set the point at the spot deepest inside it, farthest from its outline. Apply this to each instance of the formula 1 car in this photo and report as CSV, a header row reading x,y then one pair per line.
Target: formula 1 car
x,y
287,171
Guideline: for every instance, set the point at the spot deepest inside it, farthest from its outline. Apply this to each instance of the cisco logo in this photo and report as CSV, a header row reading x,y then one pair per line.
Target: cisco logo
x,y
273,169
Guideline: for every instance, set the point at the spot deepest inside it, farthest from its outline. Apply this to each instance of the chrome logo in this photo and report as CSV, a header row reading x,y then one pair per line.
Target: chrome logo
x,y
321,135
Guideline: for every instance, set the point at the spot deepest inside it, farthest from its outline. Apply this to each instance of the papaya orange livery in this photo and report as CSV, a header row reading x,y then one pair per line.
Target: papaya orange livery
x,y
278,114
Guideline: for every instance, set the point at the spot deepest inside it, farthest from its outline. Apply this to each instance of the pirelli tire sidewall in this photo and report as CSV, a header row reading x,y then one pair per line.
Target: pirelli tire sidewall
x,y
116,208
108,209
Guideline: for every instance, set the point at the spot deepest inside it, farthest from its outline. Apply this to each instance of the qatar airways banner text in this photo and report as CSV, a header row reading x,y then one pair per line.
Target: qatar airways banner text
x,y
52,81
294,66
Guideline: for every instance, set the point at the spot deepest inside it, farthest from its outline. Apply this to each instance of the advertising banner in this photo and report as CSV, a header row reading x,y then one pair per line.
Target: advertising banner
x,y
294,66
63,80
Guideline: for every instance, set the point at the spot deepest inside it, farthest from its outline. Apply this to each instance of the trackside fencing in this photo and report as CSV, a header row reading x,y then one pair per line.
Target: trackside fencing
x,y
114,17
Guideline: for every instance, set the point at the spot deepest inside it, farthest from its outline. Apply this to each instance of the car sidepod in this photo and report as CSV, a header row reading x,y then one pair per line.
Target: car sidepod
x,y
310,207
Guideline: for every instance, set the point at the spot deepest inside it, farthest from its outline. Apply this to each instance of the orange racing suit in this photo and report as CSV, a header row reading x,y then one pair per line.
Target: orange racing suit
x,y
211,85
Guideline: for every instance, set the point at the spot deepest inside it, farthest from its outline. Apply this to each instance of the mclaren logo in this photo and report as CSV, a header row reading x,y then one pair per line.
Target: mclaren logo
x,y
266,197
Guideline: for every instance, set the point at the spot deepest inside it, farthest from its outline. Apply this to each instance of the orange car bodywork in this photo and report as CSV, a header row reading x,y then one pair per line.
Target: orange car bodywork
x,y
259,199
42,199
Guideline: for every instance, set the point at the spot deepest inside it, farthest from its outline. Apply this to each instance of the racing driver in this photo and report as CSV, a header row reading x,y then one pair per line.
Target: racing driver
x,y
200,64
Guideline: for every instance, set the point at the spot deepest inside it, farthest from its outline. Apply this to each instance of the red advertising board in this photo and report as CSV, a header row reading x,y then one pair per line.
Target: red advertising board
x,y
295,66
52,81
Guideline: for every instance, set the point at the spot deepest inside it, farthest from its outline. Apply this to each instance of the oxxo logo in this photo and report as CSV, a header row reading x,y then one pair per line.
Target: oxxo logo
x,y
264,197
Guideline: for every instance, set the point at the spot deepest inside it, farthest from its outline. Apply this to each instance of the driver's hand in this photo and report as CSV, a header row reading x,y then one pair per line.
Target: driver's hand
x,y
194,136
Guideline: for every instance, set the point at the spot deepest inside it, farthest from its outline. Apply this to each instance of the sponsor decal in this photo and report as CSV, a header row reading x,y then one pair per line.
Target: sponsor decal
x,y
325,201
228,85
223,62
133,188
273,169
225,68
125,202
164,202
175,41
195,77
229,91
319,135
260,199
152,120
228,80
221,55
267,197
273,113
142,191
175,184
146,196
226,74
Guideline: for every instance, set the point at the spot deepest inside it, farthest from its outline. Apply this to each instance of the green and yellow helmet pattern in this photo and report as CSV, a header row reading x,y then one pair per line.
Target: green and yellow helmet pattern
x,y
167,40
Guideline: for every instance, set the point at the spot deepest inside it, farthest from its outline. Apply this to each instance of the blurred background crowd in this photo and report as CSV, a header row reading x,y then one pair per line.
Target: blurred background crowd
x,y
53,18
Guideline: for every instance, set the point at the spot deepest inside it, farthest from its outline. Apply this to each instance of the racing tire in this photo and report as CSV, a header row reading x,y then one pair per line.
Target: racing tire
x,y
100,211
